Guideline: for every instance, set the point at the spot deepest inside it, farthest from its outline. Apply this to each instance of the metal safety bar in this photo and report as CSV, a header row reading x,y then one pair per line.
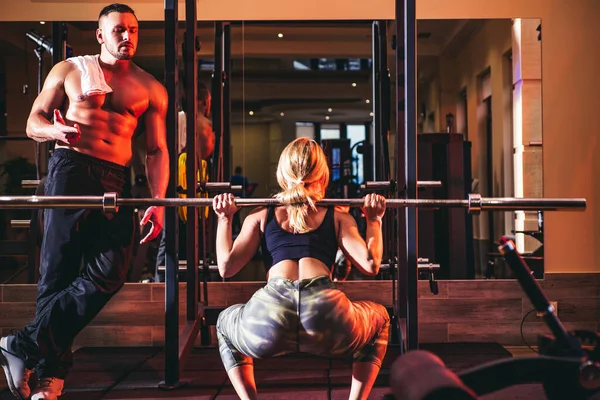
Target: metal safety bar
x,y
205,187
20,223
218,186
30,183
475,203
392,185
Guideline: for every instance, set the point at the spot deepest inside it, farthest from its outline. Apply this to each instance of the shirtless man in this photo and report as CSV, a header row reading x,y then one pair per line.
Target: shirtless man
x,y
93,134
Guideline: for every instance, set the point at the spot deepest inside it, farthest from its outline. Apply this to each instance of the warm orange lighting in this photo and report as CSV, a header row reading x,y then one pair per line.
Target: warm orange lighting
x,y
280,35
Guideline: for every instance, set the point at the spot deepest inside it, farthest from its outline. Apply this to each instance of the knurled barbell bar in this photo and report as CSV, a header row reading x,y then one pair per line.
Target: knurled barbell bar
x,y
110,202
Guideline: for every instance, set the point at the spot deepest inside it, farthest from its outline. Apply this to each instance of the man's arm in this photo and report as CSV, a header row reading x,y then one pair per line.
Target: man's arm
x,y
46,107
205,139
157,153
157,157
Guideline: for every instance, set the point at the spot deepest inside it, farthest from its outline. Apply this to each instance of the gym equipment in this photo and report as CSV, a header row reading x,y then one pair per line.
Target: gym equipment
x,y
392,186
475,203
202,175
565,368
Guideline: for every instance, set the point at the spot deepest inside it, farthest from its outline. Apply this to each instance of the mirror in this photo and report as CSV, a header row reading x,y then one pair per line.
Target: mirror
x,y
315,78
302,78
479,105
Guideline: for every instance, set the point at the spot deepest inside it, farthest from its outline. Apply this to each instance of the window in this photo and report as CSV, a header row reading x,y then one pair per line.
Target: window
x,y
330,131
356,134
336,162
333,64
305,129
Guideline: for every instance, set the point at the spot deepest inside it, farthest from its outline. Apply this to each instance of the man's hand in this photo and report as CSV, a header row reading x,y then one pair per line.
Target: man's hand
x,y
65,133
156,216
224,205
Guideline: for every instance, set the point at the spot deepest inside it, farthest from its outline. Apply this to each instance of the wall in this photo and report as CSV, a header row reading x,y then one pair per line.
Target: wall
x,y
249,150
429,96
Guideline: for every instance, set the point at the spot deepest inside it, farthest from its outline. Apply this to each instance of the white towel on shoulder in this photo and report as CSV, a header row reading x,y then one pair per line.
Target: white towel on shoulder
x,y
92,78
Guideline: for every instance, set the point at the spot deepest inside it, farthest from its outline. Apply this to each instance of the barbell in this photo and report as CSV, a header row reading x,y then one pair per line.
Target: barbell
x,y
110,202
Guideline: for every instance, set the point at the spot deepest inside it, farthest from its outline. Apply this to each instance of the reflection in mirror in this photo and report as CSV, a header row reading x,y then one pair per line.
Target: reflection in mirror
x,y
480,131
298,79
286,80
24,57
479,109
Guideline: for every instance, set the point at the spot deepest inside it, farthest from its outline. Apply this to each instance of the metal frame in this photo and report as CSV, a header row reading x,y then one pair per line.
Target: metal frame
x,y
190,51
406,169
221,115
221,100
381,101
172,361
226,122
178,348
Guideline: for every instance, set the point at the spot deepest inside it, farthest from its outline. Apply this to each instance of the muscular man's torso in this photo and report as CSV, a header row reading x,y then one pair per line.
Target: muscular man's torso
x,y
107,121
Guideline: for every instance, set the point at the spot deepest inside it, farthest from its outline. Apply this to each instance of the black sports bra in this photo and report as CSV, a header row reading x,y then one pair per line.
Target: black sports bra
x,y
278,244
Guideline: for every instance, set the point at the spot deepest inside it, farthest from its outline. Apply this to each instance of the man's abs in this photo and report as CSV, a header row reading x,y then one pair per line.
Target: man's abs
x,y
107,121
105,134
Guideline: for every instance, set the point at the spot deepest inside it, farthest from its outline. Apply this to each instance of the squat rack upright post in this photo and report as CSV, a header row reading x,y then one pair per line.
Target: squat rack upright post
x,y
190,50
178,347
172,372
221,113
406,169
381,102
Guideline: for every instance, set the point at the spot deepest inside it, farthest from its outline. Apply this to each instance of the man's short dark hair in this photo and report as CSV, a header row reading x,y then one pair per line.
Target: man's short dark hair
x,y
238,170
116,7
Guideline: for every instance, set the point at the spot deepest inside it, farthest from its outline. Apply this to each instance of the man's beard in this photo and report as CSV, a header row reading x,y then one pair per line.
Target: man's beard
x,y
118,55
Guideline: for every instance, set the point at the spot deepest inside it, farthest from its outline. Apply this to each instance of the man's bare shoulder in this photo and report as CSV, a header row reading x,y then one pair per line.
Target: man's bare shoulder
x,y
147,79
62,69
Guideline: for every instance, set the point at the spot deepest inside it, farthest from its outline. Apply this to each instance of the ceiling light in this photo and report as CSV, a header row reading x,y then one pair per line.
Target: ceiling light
x,y
280,35
281,114
353,84
367,101
329,110
251,113
42,22
371,114
327,117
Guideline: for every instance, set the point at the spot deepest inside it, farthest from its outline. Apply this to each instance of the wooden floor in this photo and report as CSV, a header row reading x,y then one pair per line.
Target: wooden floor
x,y
133,373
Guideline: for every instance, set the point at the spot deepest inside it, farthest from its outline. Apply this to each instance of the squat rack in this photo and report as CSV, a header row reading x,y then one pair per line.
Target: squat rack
x,y
177,348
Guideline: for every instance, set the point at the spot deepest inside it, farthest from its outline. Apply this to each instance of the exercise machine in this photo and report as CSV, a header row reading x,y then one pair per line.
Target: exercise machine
x,y
568,364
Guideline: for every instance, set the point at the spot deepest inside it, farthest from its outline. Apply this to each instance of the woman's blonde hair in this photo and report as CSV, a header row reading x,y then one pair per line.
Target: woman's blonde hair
x,y
303,175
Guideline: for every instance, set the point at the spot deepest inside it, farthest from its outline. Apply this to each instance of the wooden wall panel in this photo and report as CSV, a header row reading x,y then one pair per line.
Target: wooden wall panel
x,y
485,310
